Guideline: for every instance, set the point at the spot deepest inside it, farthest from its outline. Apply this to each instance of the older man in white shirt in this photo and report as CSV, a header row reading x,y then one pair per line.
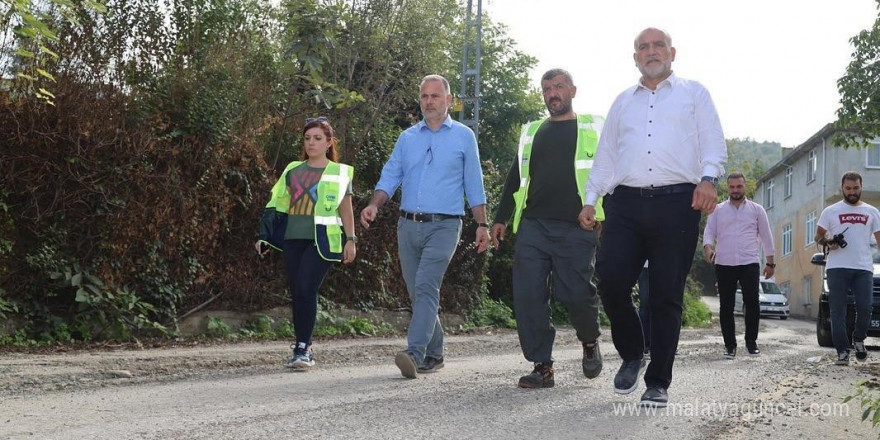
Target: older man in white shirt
x,y
658,161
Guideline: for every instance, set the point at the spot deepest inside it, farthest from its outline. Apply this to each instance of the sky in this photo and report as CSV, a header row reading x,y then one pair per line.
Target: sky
x,y
771,66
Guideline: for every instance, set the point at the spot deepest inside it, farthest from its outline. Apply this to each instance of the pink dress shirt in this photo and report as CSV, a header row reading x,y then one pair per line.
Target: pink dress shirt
x,y
736,233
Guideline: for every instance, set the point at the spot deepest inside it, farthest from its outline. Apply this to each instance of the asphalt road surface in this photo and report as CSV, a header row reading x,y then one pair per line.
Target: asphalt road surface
x,y
239,391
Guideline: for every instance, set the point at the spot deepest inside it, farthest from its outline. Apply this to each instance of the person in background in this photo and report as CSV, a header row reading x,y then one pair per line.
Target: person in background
x,y
436,164
730,241
310,218
846,228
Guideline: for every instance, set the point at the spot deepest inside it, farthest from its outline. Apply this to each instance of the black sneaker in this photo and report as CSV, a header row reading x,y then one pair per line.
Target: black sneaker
x,y
592,362
730,352
540,377
842,358
431,364
655,397
303,357
861,352
752,347
407,364
627,378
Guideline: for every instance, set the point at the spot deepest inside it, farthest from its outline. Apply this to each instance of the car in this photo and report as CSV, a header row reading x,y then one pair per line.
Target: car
x,y
823,321
772,301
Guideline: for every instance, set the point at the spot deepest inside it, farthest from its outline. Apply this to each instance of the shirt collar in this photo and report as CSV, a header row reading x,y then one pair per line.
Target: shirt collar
x,y
670,82
446,123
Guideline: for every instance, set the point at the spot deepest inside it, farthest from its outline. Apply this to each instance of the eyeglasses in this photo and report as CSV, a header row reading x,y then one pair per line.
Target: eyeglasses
x,y
318,119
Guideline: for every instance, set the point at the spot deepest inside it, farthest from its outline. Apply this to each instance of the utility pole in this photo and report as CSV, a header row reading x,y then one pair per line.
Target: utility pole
x,y
470,68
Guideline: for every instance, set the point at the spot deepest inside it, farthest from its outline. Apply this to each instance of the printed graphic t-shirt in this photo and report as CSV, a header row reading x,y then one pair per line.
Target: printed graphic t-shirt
x,y
858,225
302,184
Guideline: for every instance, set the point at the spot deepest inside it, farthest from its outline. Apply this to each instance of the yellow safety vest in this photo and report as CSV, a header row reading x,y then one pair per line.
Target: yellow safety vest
x,y
589,129
332,185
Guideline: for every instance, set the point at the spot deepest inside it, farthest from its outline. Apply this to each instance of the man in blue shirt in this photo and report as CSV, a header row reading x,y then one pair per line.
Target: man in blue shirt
x,y
435,163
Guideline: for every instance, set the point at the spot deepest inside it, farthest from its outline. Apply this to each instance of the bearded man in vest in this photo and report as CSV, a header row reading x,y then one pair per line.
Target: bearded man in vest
x,y
543,196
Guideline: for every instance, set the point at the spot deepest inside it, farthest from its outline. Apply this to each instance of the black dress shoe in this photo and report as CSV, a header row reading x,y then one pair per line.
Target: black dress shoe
x,y
655,397
627,378
753,348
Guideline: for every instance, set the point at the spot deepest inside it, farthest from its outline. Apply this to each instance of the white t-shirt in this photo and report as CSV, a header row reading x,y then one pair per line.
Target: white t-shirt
x,y
858,225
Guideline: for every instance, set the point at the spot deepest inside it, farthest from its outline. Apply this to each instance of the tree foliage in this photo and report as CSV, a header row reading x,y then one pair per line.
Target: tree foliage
x,y
859,112
135,198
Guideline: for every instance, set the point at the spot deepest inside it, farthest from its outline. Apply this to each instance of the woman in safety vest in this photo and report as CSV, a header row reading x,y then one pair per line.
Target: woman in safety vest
x,y
310,219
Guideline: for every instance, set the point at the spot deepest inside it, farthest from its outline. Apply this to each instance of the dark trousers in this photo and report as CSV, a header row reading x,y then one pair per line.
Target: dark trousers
x,y
747,276
564,253
840,282
644,316
662,229
305,270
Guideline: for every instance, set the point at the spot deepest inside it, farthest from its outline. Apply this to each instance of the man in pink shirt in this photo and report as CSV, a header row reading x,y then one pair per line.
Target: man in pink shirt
x,y
735,228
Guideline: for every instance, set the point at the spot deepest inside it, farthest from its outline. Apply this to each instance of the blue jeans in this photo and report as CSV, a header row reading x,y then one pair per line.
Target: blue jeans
x,y
860,283
425,249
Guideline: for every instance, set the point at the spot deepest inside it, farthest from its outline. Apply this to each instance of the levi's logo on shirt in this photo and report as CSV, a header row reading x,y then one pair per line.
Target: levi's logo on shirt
x,y
853,218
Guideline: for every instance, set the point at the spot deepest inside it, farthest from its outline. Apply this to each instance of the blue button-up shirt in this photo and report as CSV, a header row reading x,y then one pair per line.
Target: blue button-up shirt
x,y
435,169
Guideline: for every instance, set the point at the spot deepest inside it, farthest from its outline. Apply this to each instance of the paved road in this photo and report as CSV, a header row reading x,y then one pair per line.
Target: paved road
x,y
779,394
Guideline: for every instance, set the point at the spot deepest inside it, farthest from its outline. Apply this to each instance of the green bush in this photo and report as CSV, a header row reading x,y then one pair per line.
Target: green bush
x,y
867,394
218,328
491,313
694,313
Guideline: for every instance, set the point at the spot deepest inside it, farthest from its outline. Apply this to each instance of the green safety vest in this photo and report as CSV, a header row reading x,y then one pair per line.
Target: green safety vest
x,y
589,128
332,185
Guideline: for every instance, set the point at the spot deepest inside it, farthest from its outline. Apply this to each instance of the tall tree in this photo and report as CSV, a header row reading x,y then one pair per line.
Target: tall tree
x,y
859,88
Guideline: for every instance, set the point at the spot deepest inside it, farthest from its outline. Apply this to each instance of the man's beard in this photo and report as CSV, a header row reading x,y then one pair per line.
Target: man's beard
x,y
564,108
736,196
852,199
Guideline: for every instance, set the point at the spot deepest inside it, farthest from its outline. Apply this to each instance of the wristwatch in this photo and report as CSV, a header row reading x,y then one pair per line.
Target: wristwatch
x,y
352,238
713,180
482,225
771,265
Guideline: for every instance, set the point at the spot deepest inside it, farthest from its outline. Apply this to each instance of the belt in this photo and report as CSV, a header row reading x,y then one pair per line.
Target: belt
x,y
423,217
651,191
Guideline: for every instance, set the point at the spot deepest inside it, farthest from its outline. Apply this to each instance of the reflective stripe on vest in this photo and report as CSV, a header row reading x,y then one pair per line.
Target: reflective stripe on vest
x,y
328,225
589,129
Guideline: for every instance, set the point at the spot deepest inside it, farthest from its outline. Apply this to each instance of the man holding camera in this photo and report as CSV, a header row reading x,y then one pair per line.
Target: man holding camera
x,y
845,229
735,228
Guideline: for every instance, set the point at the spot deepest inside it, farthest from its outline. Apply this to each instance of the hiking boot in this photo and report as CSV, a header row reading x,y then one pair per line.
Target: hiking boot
x,y
729,352
861,352
842,358
431,364
655,397
592,362
627,378
407,364
303,357
752,347
540,377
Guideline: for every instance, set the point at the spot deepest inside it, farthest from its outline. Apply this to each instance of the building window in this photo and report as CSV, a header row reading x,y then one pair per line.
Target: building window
x,y
768,194
789,174
807,290
812,166
786,239
810,231
873,152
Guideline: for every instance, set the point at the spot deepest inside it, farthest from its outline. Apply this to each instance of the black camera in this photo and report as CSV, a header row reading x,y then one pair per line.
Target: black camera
x,y
838,240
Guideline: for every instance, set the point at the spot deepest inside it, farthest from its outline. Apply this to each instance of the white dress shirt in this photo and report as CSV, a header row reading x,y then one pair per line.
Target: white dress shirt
x,y
658,137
